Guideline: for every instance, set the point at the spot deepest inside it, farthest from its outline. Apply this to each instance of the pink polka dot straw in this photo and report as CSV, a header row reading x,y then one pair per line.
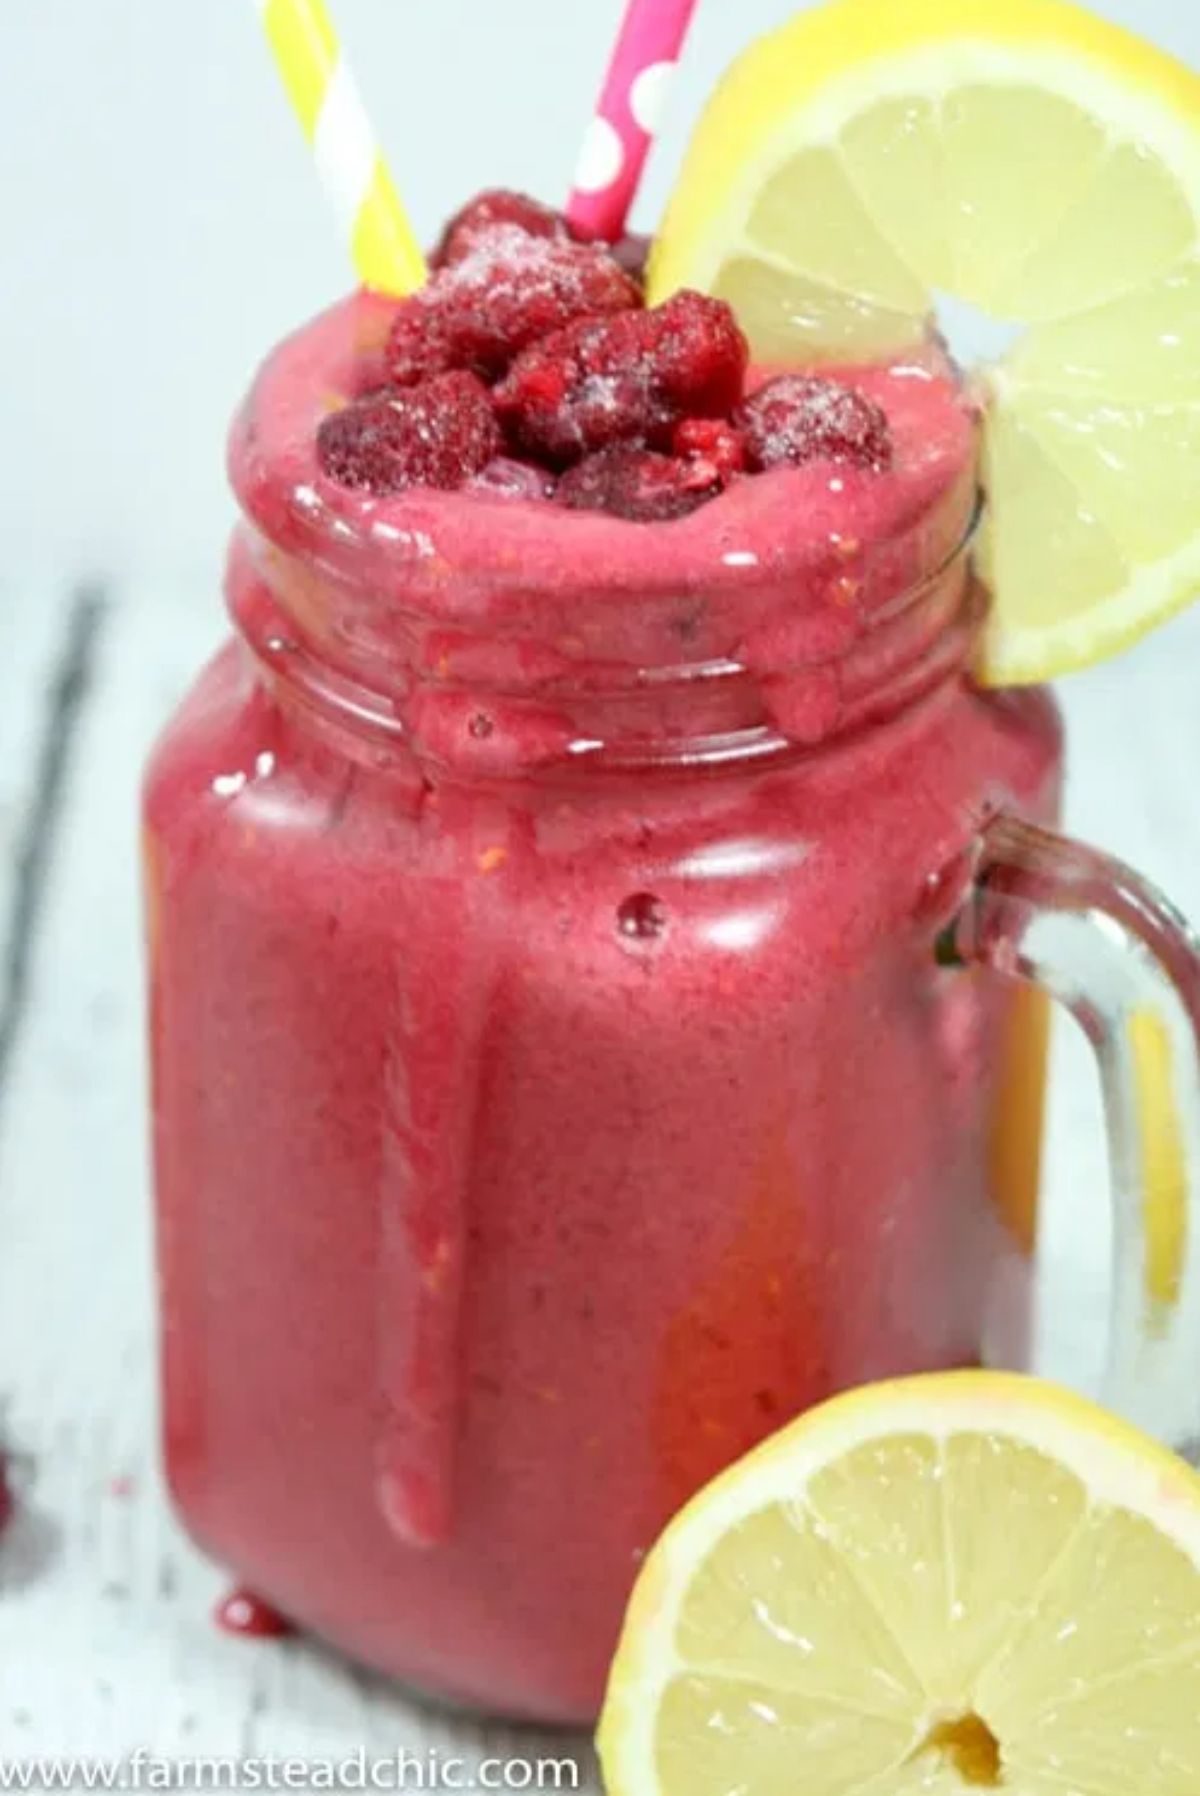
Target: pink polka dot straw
x,y
627,118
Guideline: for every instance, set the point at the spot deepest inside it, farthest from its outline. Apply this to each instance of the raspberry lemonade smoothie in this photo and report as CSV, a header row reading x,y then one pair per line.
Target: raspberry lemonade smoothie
x,y
556,1087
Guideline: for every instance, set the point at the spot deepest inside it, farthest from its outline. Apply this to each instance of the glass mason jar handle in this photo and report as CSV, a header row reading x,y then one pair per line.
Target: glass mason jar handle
x,y
1089,932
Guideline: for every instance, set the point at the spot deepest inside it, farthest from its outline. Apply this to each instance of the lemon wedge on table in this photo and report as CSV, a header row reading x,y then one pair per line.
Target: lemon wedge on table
x,y
959,1582
1027,160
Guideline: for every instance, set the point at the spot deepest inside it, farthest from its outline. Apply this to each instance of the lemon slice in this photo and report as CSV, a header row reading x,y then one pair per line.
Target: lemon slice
x,y
959,1582
1029,161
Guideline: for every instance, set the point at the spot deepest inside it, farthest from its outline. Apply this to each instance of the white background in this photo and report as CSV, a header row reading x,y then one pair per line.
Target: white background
x,y
161,225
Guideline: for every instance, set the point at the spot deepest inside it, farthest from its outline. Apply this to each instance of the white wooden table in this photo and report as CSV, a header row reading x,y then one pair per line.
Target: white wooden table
x,y
106,1642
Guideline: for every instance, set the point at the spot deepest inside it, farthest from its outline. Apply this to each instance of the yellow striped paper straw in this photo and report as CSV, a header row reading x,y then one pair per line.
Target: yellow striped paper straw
x,y
326,100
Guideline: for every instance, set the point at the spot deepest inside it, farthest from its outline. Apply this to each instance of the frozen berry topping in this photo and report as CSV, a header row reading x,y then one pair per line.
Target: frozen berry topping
x,y
638,484
498,206
508,291
529,368
798,418
437,434
625,379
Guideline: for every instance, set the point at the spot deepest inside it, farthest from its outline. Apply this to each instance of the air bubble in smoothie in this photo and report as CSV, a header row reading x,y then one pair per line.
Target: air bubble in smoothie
x,y
642,918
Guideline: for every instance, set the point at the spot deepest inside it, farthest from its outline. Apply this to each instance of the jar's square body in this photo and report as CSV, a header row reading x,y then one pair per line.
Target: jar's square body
x,y
557,1084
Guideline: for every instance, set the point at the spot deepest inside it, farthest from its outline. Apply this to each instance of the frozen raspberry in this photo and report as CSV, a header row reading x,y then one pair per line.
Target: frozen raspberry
x,y
638,484
713,441
437,434
582,388
629,378
700,355
498,206
799,418
505,293
418,345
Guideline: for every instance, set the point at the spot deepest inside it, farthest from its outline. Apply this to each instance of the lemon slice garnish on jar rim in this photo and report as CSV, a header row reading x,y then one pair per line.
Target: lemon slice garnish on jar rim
x,y
1032,162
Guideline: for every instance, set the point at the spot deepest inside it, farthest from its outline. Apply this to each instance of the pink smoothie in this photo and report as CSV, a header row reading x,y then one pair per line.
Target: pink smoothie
x,y
556,1087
